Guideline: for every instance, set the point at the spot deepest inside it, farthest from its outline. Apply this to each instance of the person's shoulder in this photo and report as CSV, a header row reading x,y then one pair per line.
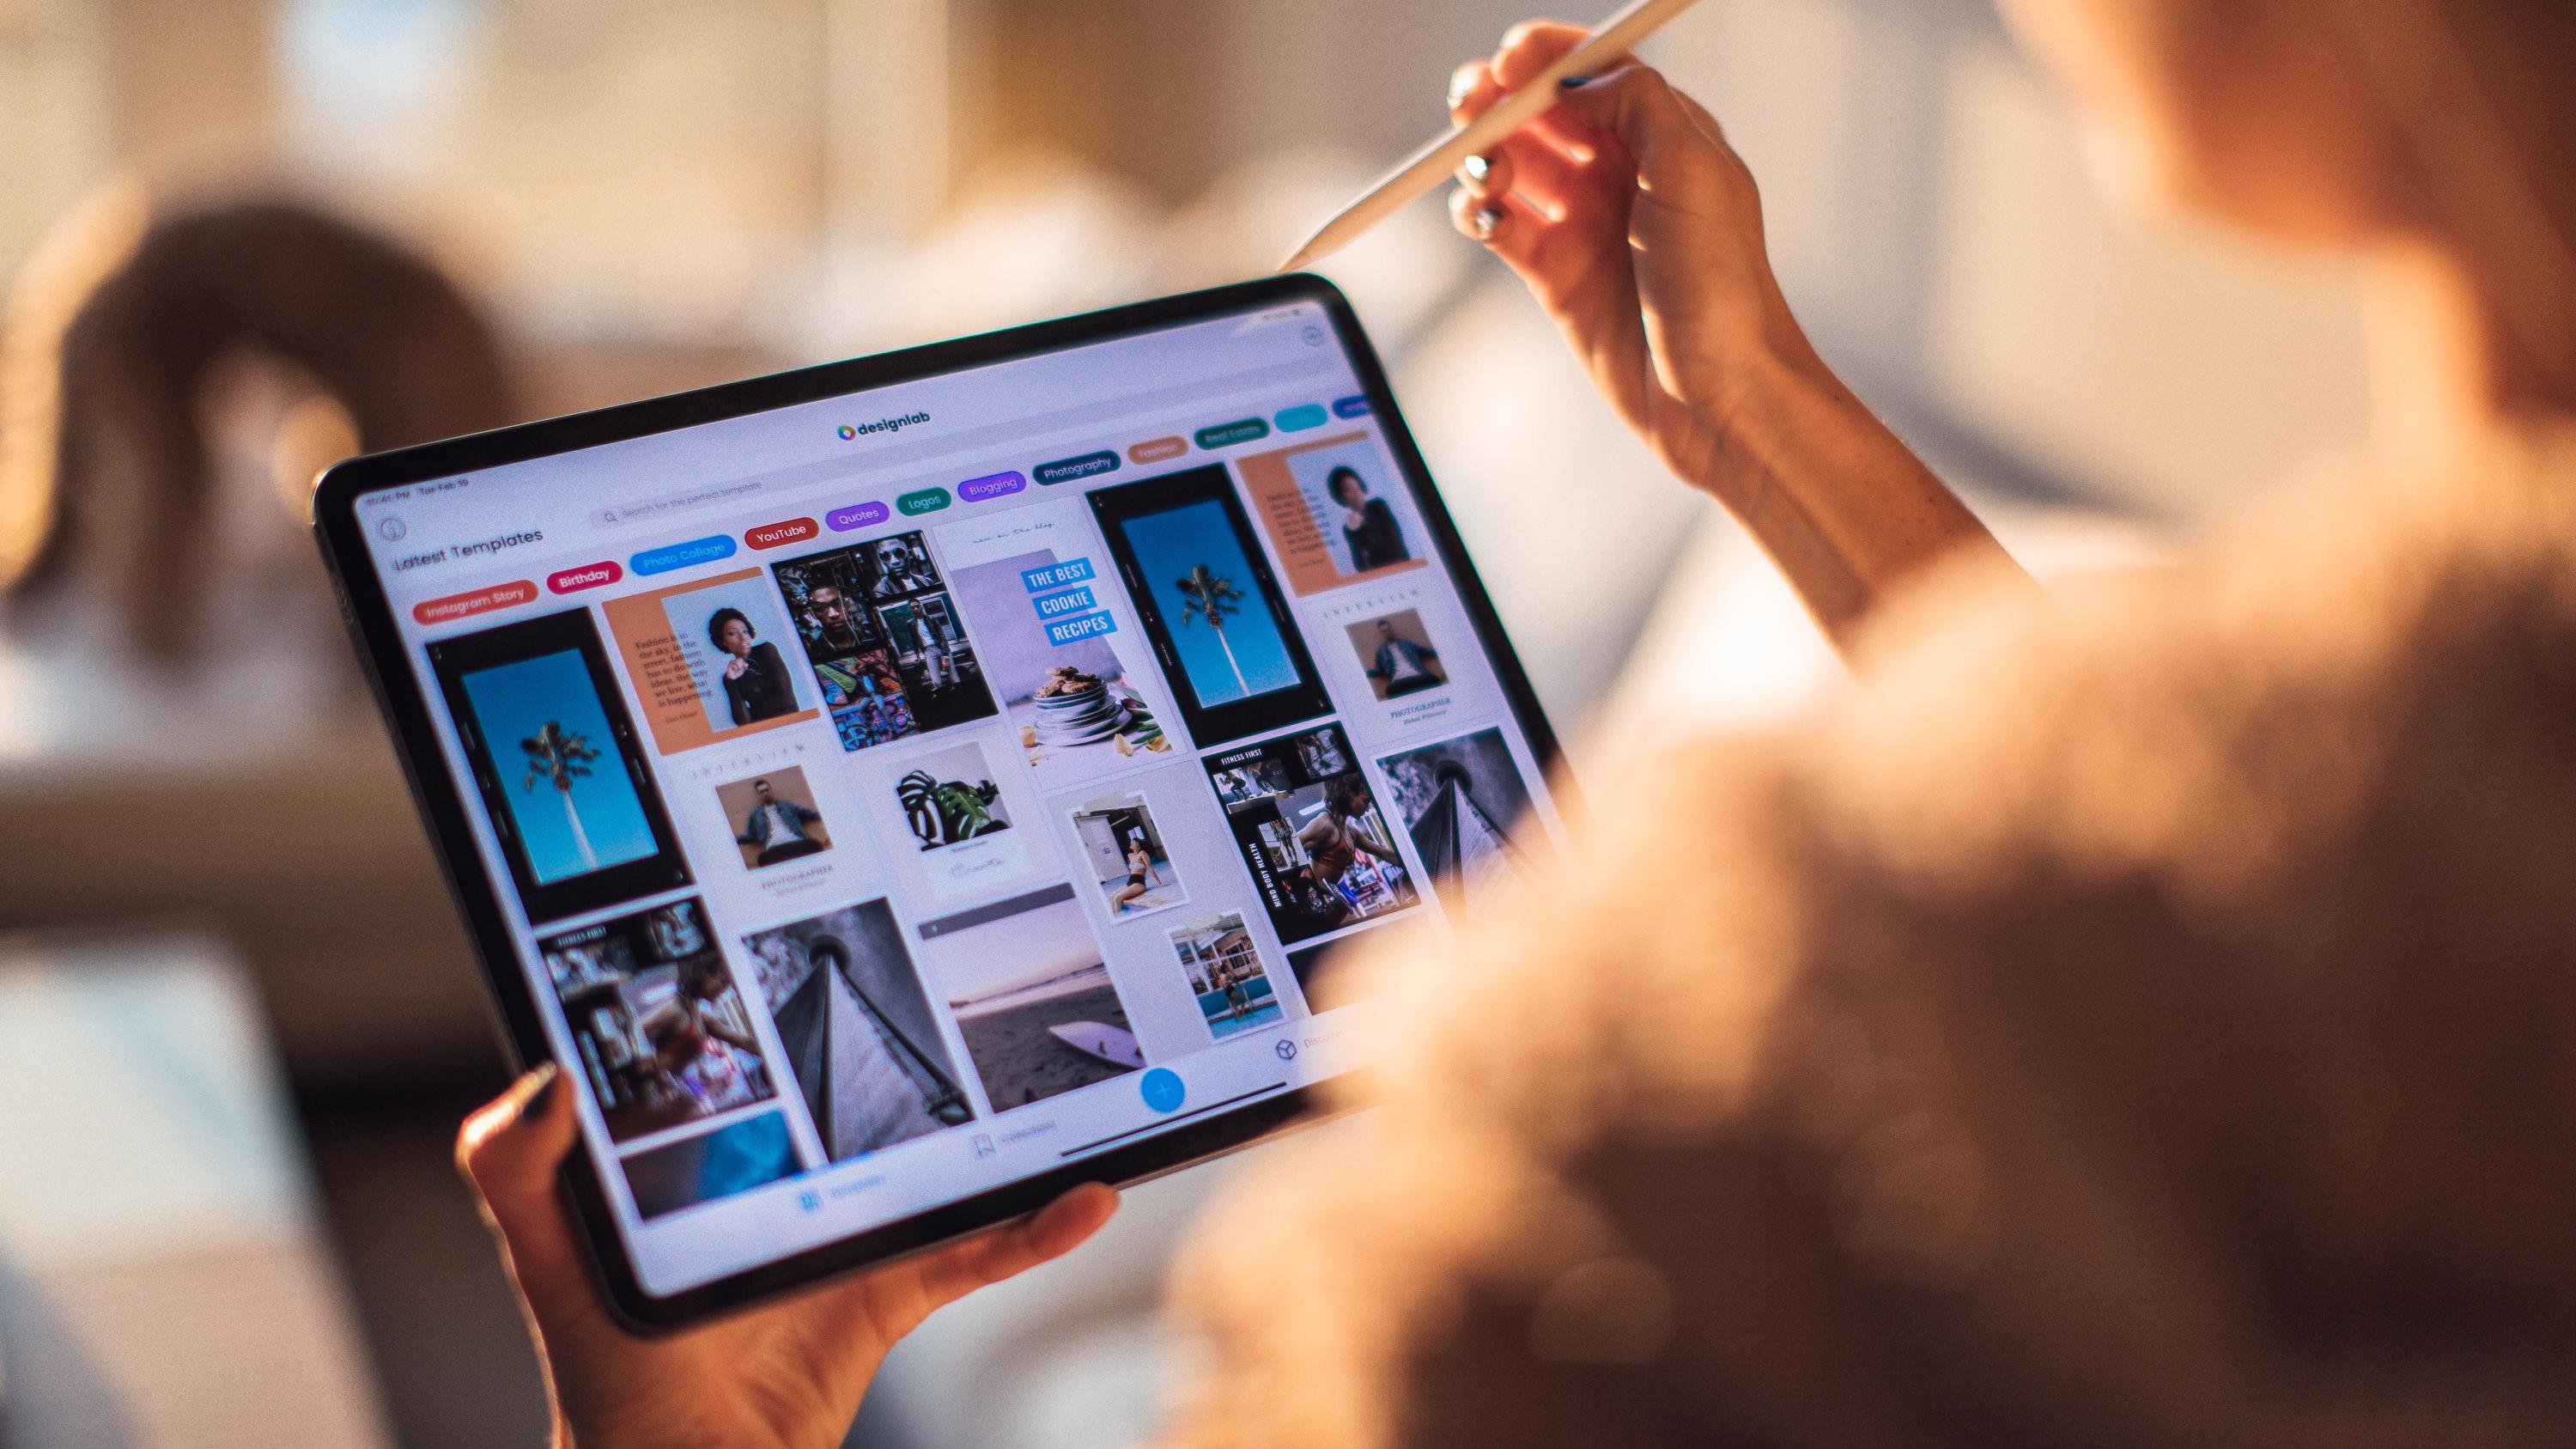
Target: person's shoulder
x,y
2235,712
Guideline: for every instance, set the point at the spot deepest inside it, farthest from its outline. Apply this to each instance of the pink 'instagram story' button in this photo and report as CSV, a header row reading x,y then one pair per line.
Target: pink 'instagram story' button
x,y
588,576
862,515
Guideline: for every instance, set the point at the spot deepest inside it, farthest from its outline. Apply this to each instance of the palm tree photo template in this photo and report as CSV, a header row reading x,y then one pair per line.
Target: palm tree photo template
x,y
1220,626
558,763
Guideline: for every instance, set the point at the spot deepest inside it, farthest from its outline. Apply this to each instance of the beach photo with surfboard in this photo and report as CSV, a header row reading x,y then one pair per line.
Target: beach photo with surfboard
x,y
1032,997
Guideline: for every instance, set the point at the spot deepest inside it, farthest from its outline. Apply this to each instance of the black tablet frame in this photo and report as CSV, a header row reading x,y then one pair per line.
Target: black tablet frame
x,y
477,896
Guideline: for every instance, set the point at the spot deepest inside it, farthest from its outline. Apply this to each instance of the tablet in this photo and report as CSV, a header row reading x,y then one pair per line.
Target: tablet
x,y
898,790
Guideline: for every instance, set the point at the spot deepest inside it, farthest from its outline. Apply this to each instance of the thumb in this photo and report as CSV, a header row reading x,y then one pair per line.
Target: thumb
x,y
510,1153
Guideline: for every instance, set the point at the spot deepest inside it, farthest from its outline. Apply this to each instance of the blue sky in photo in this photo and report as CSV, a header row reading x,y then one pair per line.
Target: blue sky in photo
x,y
514,701
1168,545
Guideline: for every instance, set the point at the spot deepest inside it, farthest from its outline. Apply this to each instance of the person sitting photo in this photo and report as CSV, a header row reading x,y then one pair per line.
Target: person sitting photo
x,y
778,828
1402,666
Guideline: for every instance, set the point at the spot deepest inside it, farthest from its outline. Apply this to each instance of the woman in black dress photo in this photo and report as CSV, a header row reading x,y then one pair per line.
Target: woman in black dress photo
x,y
756,683
1368,525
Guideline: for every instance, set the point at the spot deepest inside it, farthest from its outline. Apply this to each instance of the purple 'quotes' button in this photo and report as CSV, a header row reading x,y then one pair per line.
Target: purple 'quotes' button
x,y
860,515
998,485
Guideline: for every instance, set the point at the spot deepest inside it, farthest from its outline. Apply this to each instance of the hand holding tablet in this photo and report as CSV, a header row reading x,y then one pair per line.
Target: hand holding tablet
x,y
789,1374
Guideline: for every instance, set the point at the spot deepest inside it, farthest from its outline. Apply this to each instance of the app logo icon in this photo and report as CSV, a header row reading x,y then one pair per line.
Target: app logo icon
x,y
848,432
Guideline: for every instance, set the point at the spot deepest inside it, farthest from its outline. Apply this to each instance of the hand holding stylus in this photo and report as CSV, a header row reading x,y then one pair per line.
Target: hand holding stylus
x,y
1639,230
790,1373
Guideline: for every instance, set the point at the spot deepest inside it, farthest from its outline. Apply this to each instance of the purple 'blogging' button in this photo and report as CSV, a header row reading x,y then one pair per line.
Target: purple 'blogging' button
x,y
998,485
861,515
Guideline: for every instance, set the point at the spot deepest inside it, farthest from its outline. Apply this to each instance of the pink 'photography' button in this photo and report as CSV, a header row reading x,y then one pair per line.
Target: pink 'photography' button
x,y
458,606
588,576
771,535
858,515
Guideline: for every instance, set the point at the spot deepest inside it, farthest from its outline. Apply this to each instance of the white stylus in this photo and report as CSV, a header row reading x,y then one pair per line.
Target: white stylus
x,y
1431,165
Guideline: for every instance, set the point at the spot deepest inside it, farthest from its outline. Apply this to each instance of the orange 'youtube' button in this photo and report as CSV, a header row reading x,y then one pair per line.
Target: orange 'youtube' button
x,y
458,606
771,535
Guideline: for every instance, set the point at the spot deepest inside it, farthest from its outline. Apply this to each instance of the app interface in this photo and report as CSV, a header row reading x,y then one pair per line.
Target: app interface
x,y
901,794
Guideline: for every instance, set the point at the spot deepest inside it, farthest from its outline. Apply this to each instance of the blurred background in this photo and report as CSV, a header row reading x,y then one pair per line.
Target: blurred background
x,y
243,237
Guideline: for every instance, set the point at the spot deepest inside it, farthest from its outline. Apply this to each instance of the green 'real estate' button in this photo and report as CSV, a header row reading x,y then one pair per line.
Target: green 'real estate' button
x,y
923,500
1226,435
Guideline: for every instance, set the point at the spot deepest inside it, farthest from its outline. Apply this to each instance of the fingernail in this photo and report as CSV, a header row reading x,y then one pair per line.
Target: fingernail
x,y
1572,81
1461,81
1488,219
538,1088
1476,167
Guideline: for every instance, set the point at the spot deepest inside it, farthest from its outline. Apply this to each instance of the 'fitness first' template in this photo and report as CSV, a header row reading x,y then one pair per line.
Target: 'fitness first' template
x,y
902,794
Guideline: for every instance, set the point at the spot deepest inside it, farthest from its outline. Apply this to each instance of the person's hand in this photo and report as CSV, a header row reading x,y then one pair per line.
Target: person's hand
x,y
789,1374
1640,232
737,667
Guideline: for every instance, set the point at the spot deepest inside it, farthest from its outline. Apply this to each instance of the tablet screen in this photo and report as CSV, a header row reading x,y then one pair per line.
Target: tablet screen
x,y
899,795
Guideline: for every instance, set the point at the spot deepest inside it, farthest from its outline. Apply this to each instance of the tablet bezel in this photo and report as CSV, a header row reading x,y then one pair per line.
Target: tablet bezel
x,y
478,899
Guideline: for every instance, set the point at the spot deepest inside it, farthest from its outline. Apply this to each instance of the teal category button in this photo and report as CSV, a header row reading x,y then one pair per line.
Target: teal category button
x,y
681,555
1226,435
1298,420
922,500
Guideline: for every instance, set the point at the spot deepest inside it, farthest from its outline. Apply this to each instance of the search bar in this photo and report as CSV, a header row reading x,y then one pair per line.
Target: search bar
x,y
680,502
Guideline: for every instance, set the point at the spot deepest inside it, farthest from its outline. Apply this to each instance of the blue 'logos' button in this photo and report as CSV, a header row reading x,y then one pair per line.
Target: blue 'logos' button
x,y
1163,1090
682,555
1354,406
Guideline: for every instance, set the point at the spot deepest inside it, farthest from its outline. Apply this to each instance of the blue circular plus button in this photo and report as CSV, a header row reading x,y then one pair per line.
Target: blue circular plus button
x,y
1163,1089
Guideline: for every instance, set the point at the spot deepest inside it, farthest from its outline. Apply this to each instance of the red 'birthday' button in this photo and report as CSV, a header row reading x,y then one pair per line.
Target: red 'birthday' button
x,y
588,576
